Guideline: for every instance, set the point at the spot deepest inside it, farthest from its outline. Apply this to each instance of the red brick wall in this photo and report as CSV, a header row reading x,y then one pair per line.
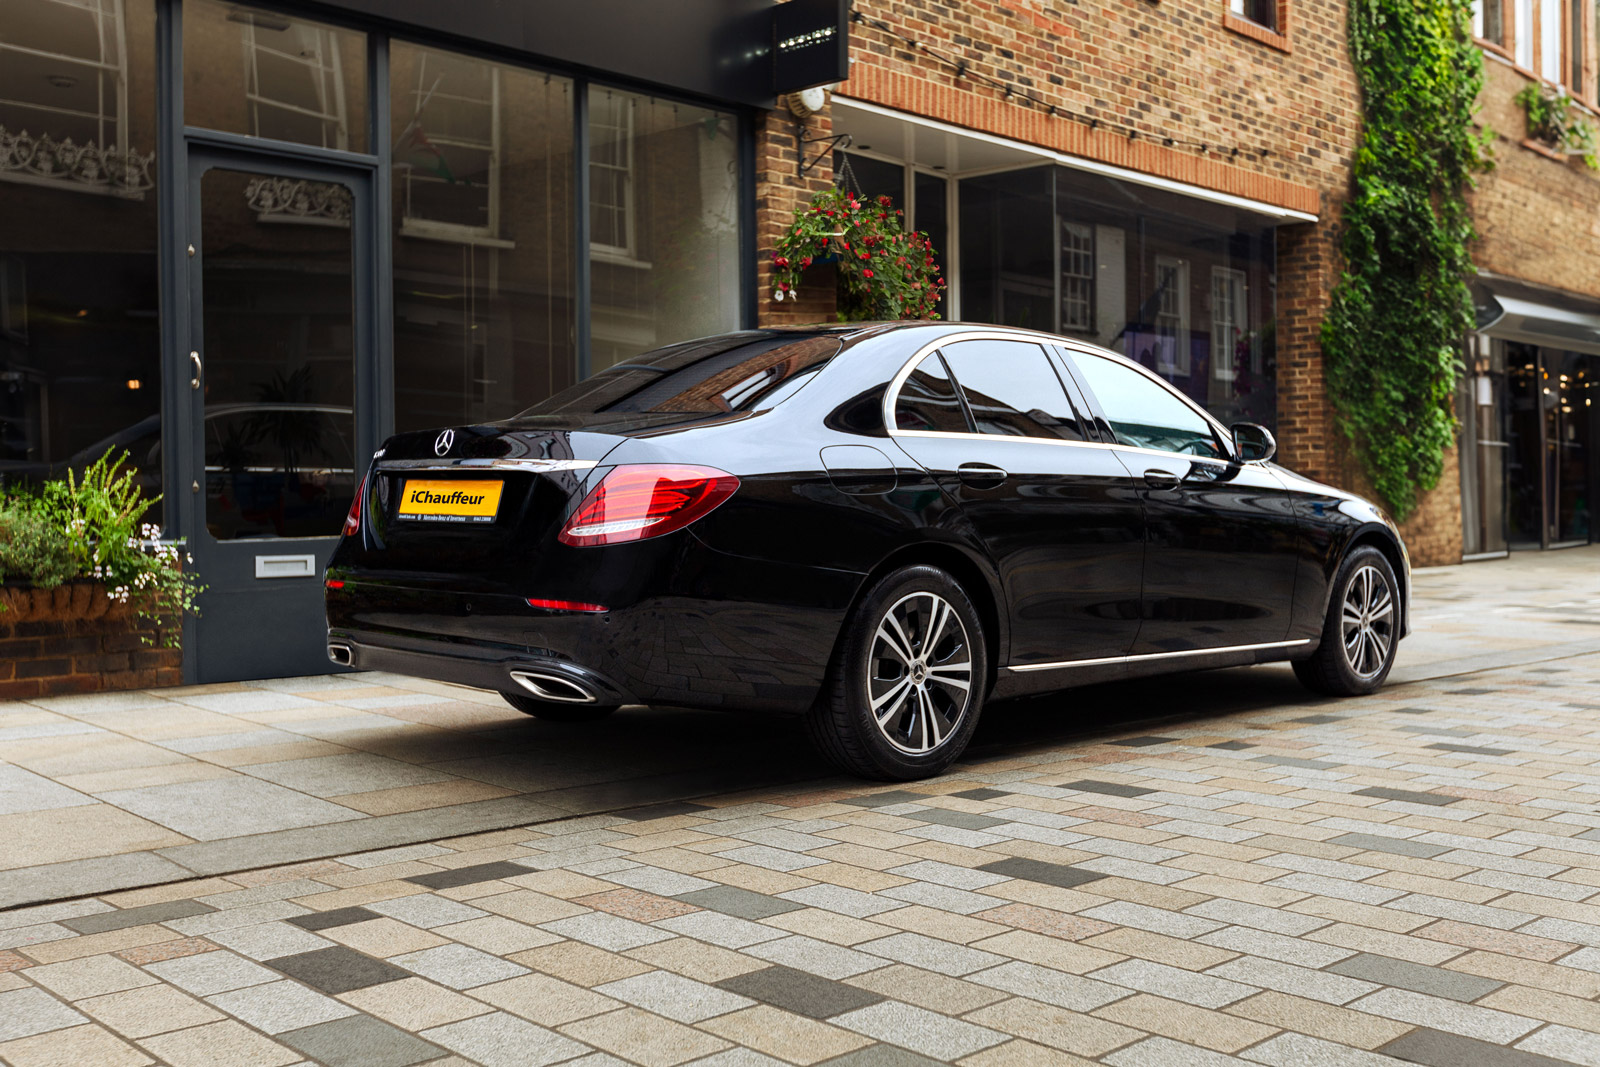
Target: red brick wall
x,y
51,657
781,191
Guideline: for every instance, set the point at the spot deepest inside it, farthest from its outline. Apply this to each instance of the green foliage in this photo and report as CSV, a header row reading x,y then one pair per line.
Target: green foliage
x,y
1551,119
91,527
1401,306
885,272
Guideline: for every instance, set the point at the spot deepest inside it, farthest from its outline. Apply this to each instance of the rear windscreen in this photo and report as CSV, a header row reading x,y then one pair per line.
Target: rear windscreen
x,y
733,372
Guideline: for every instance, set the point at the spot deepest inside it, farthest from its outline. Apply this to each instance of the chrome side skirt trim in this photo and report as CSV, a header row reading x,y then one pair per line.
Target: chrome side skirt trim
x,y
1154,656
538,466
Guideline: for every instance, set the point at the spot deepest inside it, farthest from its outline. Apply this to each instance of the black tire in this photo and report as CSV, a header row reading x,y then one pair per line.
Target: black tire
x,y
924,728
1347,663
550,711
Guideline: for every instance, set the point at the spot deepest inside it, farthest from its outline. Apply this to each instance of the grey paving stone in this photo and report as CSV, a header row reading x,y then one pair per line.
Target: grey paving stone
x,y
231,807
1165,1052
1317,720
817,957
360,1041
1156,920
25,1012
338,970
1399,847
426,910
478,872
1243,913
1578,1046
99,874
799,992
1143,742
279,1006
945,898
662,811
948,874
1470,750
1174,983
23,791
1296,761
459,966
267,941
660,882
325,920
1436,1048
731,900
1232,746
922,1031
1297,950
22,936
49,913
721,929
211,972
884,799
881,1056
962,819
1410,796
931,954
501,1040
1296,981
1298,1050
1070,991
1110,789
610,932
386,856
674,996
841,899
981,794
1468,1020
773,859
332,776
1056,874
1417,977
231,918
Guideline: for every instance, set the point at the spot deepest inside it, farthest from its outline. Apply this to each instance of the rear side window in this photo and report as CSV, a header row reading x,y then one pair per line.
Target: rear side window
x,y
928,400
1012,390
1143,414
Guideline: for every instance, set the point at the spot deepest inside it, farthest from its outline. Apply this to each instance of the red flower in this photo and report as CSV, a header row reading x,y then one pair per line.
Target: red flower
x,y
806,261
866,274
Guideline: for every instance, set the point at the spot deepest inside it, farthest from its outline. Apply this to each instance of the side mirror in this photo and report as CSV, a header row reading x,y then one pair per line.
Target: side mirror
x,y
1253,443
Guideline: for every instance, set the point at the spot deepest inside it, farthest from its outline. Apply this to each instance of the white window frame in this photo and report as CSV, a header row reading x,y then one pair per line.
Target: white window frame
x,y
1172,316
624,128
324,67
1230,315
1077,273
436,229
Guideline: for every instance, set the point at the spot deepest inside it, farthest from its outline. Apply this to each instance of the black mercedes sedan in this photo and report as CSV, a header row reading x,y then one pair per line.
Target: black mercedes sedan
x,y
879,527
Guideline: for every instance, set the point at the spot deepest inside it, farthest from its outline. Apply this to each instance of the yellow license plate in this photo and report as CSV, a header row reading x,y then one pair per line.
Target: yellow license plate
x,y
450,501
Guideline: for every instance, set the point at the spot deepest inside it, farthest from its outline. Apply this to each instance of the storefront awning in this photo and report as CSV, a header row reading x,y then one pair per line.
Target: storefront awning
x,y
1516,314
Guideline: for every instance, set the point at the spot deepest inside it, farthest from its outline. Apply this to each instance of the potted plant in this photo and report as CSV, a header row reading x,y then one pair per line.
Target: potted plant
x,y
885,271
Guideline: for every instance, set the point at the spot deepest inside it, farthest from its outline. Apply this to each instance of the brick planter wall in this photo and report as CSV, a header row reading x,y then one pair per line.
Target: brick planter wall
x,y
73,639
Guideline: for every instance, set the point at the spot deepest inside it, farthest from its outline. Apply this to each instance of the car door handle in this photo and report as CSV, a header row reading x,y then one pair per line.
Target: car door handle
x,y
1160,479
981,475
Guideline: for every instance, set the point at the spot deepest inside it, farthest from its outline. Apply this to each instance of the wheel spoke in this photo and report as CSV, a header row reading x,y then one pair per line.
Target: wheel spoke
x,y
936,623
930,719
897,641
898,689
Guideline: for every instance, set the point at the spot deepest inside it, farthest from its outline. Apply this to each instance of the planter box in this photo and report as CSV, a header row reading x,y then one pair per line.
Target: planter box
x,y
76,639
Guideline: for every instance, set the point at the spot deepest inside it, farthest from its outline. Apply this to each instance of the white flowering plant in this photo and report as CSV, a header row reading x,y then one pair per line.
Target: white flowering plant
x,y
92,527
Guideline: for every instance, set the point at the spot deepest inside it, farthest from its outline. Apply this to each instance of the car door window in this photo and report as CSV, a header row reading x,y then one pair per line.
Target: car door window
x,y
1011,389
928,400
1144,414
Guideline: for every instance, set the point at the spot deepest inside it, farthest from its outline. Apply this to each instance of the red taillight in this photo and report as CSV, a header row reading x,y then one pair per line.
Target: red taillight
x,y
565,605
642,500
333,583
352,521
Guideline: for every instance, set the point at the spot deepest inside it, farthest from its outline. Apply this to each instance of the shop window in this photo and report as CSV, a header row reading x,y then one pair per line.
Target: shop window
x,y
664,260
1227,321
1488,21
64,98
611,173
263,73
1171,341
448,150
1077,278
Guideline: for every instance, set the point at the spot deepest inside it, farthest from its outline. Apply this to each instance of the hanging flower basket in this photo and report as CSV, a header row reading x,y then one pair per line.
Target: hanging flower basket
x,y
885,271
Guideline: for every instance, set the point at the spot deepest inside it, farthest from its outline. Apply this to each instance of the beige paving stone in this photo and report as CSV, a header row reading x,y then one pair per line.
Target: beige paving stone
x,y
366,894
421,797
876,853
1049,952
759,879
89,976
1385,943
382,937
1184,1022
696,959
561,884
1569,980
94,944
1070,1031
680,838
580,964
850,876
1547,1006
784,1034
414,1003
829,926
176,948
956,855
1438,887
223,1044
531,907
636,904
1577,911
1155,896
643,1038
1024,891
1023,1052
1143,944
368,876
10,979
1489,939
946,926
497,934
1357,914
936,992
60,834
291,872
1316,1019
79,1046
289,750
501,848
153,1009
681,860
139,777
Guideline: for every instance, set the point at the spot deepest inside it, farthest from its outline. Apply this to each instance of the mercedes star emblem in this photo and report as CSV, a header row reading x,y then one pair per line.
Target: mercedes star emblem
x,y
444,442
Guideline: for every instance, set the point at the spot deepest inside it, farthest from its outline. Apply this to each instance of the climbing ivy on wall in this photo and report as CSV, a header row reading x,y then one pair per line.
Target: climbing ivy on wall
x,y
1401,306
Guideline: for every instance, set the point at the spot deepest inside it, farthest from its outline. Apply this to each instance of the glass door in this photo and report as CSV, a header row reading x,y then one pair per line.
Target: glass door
x,y
1569,441
280,282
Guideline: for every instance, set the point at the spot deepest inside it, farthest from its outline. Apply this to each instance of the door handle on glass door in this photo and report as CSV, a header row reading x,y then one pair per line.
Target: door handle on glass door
x,y
1160,479
981,475
199,369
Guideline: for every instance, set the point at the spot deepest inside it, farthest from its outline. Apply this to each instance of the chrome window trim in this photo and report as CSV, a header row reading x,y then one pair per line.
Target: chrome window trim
x,y
891,395
539,466
1062,664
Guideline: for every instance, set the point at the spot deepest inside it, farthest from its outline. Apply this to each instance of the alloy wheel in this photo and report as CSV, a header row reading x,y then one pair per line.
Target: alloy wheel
x,y
919,673
1367,621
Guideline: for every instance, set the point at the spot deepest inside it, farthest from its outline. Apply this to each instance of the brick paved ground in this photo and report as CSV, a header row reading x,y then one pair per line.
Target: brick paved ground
x,y
1403,878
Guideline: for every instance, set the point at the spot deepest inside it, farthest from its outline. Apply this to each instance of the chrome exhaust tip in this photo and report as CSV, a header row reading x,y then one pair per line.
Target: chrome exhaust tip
x,y
341,654
553,687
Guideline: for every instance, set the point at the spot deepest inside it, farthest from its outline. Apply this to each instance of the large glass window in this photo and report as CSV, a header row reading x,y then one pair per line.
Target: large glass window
x,y
1011,389
483,255
79,348
263,73
663,223
1180,285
